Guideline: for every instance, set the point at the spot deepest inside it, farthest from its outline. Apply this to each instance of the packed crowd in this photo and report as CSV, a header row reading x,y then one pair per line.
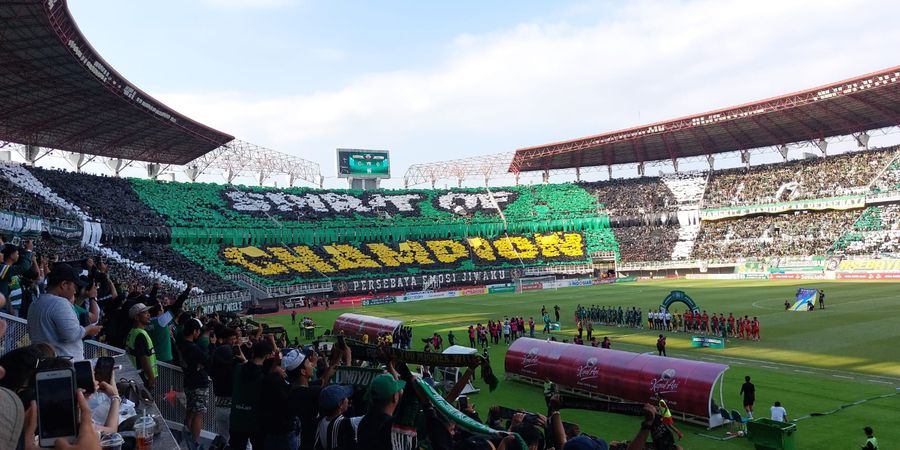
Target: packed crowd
x,y
633,195
646,242
797,180
174,263
791,234
104,199
875,232
267,393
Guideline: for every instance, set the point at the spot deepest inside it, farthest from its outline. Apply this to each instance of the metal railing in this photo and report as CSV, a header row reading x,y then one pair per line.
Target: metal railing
x,y
168,394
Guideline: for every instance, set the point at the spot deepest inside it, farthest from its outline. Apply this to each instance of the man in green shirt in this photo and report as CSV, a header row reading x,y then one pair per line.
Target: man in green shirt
x,y
871,442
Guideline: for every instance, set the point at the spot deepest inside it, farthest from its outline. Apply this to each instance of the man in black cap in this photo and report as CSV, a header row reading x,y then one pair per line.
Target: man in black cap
x,y
51,318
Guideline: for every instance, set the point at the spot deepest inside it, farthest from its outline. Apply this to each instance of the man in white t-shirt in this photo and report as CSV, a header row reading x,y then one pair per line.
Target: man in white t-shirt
x,y
779,414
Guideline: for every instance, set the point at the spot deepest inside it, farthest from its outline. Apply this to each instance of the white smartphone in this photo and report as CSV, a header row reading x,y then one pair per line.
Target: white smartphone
x,y
55,393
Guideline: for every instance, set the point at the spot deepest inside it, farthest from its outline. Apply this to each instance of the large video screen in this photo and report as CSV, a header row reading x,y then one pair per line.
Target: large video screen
x,y
363,163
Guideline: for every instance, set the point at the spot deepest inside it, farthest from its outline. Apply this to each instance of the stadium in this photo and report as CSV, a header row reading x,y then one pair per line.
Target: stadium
x,y
389,275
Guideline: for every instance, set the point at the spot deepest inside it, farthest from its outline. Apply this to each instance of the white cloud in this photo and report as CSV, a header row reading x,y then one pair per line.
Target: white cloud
x,y
535,83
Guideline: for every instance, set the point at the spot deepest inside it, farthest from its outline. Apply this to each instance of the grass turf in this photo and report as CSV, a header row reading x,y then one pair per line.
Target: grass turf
x,y
809,361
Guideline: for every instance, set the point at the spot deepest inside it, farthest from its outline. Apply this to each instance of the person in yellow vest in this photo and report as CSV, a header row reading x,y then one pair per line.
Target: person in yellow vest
x,y
871,442
140,346
667,419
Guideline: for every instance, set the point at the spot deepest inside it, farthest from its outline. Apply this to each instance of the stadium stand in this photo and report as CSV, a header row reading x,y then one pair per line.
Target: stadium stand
x,y
796,233
104,199
796,180
876,231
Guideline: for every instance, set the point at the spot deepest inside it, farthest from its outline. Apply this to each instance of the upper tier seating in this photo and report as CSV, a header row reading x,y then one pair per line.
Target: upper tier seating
x,y
796,180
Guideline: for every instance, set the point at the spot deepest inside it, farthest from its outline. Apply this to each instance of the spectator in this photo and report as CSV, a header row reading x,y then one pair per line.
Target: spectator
x,y
15,263
140,347
779,414
374,431
226,357
278,422
195,360
245,409
51,318
160,326
334,431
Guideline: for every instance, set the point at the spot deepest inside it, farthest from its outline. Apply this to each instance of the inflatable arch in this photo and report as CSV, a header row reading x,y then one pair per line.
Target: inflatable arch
x,y
679,296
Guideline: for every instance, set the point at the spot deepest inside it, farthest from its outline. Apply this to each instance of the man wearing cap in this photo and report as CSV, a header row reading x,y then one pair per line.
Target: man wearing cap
x,y
14,264
52,320
336,432
140,346
374,430
194,360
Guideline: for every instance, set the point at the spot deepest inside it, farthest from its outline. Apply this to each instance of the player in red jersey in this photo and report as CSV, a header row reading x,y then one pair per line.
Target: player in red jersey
x,y
755,328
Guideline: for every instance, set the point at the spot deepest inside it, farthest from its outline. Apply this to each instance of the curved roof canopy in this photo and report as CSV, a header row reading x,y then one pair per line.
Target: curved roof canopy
x,y
59,93
859,104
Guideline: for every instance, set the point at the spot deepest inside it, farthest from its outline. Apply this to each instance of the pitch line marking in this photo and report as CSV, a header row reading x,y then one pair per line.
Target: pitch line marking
x,y
879,381
803,371
770,367
842,376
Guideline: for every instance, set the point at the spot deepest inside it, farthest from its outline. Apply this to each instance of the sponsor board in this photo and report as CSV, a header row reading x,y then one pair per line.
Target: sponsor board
x,y
868,276
754,276
532,287
499,289
785,276
379,301
426,295
473,291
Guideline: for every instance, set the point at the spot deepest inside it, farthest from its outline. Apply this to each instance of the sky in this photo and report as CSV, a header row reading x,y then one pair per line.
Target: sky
x,y
432,81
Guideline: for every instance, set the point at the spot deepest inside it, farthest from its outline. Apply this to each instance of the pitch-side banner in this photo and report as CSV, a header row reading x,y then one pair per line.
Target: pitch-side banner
x,y
686,385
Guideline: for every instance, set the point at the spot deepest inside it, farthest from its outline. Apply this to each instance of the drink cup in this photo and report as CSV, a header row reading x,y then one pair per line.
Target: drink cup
x,y
112,441
143,432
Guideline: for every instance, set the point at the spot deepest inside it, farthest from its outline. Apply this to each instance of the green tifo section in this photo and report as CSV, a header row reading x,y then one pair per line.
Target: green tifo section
x,y
199,213
869,220
206,219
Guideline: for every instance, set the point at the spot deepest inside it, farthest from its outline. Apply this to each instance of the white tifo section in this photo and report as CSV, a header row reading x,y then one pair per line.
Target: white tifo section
x,y
688,189
21,177
142,268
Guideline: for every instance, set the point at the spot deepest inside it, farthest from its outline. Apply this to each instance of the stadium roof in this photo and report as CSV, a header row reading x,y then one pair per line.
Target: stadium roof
x,y
59,93
859,104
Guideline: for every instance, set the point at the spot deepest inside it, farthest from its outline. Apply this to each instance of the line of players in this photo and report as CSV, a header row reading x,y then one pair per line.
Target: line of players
x,y
702,323
662,320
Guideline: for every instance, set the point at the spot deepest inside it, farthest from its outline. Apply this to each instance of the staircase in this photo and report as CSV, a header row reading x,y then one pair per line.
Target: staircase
x,y
688,189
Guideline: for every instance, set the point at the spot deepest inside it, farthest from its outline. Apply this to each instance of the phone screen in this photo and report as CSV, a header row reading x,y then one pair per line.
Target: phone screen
x,y
84,376
463,402
56,407
103,369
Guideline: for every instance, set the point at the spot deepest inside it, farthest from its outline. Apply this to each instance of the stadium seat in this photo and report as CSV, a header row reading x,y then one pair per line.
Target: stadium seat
x,y
737,418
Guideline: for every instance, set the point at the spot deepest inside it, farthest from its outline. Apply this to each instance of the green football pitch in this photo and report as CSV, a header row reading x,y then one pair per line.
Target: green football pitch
x,y
812,362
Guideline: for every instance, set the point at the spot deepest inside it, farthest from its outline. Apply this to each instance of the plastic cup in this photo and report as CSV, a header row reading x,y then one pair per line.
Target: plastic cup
x,y
143,432
112,441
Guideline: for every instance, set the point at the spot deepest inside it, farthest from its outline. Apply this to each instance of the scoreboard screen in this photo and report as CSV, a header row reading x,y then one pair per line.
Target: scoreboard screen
x,y
363,163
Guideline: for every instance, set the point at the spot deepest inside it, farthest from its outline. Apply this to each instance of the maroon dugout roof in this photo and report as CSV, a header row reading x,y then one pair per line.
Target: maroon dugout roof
x,y
859,104
57,92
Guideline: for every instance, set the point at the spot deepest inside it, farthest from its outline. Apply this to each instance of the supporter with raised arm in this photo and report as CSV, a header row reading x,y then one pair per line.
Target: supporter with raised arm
x,y
15,263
